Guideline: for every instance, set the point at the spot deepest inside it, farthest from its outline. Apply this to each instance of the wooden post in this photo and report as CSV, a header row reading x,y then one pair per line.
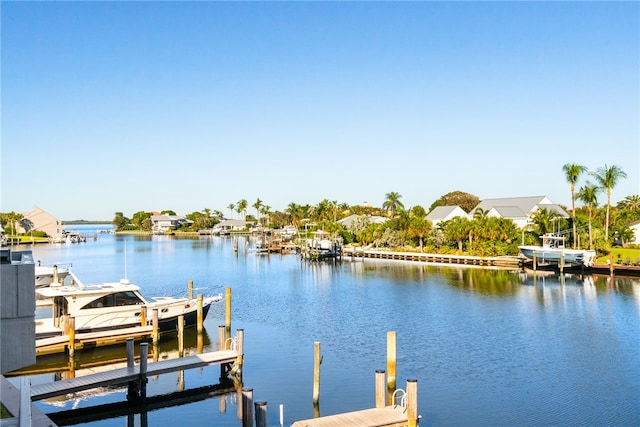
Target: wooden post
x,y
190,285
228,311
130,355
180,335
55,274
72,337
317,359
412,403
143,315
535,260
391,361
611,263
200,312
247,403
144,354
132,389
261,414
154,322
222,338
561,263
240,350
24,411
381,391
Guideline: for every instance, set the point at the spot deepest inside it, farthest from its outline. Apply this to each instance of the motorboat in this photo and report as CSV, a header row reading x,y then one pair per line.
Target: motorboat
x,y
109,306
47,274
553,251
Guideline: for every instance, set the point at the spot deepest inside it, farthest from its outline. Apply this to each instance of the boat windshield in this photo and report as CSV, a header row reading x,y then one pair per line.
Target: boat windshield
x,y
115,300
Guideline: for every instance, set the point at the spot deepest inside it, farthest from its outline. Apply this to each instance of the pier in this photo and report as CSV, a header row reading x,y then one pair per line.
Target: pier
x,y
354,252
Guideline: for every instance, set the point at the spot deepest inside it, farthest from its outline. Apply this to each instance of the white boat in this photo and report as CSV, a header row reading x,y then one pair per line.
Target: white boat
x,y
47,274
552,251
108,306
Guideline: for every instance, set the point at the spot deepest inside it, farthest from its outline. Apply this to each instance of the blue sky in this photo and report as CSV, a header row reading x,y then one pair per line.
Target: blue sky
x,y
130,106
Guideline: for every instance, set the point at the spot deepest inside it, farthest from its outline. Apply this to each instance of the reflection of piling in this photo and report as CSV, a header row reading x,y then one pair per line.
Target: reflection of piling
x,y
317,360
391,361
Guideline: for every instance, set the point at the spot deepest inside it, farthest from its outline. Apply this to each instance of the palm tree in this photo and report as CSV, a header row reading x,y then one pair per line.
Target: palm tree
x,y
231,208
257,205
588,195
241,207
572,172
608,178
392,203
544,220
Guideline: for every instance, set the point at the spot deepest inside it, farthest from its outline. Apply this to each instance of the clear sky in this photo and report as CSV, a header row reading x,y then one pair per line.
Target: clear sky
x,y
146,106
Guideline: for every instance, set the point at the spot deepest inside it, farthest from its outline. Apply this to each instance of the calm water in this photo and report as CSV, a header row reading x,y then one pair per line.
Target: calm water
x,y
488,348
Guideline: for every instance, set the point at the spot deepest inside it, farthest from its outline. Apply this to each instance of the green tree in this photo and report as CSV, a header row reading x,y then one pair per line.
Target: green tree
x,y
257,206
588,194
295,213
231,207
168,212
456,229
120,221
419,226
572,172
392,203
138,219
241,207
607,178
545,221
466,201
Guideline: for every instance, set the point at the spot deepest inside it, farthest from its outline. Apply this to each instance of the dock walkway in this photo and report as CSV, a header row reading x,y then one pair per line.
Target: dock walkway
x,y
123,375
390,416
59,344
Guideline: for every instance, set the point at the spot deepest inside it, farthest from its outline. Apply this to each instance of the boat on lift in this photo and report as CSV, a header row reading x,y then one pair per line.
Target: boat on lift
x,y
553,251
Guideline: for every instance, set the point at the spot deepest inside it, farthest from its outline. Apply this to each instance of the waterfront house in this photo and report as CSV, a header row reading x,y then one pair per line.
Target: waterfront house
x,y
518,209
373,219
228,225
445,213
42,220
167,223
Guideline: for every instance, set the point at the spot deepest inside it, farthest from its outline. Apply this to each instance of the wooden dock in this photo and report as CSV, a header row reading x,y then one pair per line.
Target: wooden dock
x,y
60,343
390,416
128,374
433,258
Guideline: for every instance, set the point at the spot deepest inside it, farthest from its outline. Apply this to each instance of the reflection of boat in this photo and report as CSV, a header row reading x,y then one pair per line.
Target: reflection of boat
x,y
110,306
552,251
47,274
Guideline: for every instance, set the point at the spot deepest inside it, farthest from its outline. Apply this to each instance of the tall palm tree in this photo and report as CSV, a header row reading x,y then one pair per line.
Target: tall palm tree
x,y
608,178
231,207
257,205
572,172
588,195
392,203
241,207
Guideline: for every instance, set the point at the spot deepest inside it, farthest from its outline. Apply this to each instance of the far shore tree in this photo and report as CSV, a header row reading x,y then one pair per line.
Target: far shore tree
x,y
572,172
607,178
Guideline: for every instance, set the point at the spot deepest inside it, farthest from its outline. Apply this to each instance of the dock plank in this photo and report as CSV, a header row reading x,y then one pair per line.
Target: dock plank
x,y
375,417
126,374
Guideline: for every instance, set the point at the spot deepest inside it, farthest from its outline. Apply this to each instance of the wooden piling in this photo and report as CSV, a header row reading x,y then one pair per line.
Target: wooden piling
x,y
200,312
535,260
412,403
240,350
228,311
190,286
71,331
391,361
317,359
55,274
611,263
144,354
261,414
222,338
180,335
247,407
143,315
561,263
130,356
381,391
154,322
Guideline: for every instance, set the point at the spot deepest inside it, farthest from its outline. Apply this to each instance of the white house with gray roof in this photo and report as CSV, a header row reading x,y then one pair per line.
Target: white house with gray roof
x,y
164,223
445,213
518,209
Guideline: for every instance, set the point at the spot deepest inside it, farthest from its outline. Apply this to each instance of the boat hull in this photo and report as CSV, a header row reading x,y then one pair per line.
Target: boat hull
x,y
554,255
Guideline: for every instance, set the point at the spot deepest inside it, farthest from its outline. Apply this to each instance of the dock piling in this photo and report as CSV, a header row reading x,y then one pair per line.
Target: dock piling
x,y
71,331
144,354
261,414
181,335
247,403
154,322
391,362
381,392
143,315
412,402
200,316
190,286
317,360
228,310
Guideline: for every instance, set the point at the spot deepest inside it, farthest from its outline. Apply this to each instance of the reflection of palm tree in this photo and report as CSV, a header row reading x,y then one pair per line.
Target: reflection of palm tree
x,y
589,196
607,178
572,172
392,203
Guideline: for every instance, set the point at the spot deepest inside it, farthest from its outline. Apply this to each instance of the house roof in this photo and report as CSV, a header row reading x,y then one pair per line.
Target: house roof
x,y
525,204
232,223
442,212
510,212
373,219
